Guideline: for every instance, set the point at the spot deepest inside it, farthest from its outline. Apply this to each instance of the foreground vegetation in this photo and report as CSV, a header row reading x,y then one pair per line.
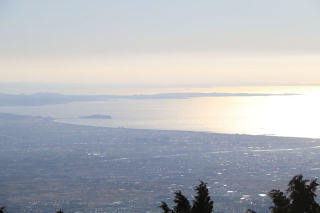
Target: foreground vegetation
x,y
298,198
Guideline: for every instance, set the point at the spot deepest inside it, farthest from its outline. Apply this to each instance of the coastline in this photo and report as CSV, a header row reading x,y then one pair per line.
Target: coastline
x,y
177,130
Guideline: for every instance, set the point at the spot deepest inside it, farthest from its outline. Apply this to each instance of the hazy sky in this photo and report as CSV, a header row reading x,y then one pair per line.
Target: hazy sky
x,y
145,42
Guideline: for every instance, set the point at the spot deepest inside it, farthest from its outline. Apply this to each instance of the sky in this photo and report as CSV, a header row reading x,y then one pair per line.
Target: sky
x,y
156,43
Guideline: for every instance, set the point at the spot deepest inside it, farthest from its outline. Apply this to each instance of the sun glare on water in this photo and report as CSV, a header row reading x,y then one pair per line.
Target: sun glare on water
x,y
283,115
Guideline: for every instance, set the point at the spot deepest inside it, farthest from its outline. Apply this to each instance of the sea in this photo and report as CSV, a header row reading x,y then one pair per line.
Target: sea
x,y
295,115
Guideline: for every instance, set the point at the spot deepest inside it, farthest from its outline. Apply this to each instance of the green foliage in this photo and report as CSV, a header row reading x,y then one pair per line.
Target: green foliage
x,y
202,202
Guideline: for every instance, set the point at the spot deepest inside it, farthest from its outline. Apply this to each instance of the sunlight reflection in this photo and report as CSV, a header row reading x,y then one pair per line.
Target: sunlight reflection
x,y
273,115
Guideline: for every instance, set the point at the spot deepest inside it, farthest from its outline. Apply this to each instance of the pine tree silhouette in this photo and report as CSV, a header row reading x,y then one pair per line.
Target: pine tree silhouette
x,y
165,208
202,202
299,198
182,203
281,202
302,195
60,211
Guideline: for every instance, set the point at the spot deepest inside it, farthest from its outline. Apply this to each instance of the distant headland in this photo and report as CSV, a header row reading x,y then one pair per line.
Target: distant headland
x,y
39,99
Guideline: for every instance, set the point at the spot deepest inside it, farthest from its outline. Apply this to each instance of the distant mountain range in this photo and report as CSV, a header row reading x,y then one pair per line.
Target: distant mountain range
x,y
56,98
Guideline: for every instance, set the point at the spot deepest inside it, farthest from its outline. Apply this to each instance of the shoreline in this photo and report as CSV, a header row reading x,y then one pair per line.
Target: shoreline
x,y
175,130
61,121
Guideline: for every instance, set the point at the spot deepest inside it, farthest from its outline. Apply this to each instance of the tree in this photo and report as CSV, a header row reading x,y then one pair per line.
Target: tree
x,y
165,208
302,195
202,202
182,203
299,197
2,209
60,211
281,202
